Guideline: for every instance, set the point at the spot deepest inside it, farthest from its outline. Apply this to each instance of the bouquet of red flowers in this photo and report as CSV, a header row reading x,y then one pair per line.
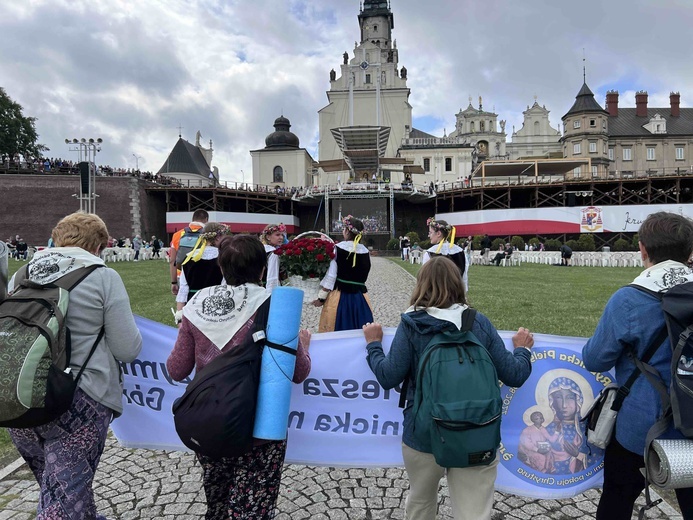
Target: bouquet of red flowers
x,y
306,257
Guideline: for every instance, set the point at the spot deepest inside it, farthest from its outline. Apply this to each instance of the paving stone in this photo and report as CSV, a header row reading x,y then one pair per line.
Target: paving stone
x,y
156,484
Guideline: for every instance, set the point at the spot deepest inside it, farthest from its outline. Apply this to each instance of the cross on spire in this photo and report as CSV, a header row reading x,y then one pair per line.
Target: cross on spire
x,y
180,130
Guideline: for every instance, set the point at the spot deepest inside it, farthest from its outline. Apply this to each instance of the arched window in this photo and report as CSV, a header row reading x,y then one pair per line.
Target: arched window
x,y
278,174
536,128
482,126
471,126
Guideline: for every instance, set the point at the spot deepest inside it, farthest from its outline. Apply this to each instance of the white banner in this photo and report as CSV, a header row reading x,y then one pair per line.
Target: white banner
x,y
341,416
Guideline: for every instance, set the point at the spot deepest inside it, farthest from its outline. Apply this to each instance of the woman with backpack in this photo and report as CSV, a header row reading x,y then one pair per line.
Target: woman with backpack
x,y
217,320
64,454
438,304
343,294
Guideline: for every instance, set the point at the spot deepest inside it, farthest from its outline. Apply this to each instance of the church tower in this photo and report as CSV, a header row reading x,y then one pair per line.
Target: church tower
x,y
371,88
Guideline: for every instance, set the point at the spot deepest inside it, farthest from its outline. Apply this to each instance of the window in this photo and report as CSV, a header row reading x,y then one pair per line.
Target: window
x,y
594,171
427,164
576,148
593,147
536,128
471,126
368,78
611,154
482,126
593,123
650,153
679,153
448,164
627,154
576,124
375,28
278,174
604,124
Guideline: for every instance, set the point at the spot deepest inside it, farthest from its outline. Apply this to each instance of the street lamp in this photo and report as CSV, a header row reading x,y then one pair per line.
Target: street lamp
x,y
86,149
137,161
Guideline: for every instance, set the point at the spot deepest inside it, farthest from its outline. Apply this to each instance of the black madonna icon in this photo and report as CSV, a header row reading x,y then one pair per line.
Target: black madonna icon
x,y
543,436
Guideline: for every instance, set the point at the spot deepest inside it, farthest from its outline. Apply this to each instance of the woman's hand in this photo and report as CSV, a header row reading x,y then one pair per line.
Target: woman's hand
x,y
373,332
304,338
317,303
523,338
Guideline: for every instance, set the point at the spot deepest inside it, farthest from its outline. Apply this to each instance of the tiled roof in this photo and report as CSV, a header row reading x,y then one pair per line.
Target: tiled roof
x,y
584,102
418,134
628,124
185,158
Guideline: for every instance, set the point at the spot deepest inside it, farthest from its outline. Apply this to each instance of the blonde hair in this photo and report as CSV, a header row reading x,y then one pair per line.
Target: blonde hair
x,y
214,230
80,229
438,284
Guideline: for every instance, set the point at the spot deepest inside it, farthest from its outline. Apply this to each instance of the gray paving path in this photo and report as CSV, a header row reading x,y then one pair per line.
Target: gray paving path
x,y
134,484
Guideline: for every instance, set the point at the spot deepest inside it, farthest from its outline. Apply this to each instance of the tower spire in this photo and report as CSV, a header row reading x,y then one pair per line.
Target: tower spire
x,y
584,73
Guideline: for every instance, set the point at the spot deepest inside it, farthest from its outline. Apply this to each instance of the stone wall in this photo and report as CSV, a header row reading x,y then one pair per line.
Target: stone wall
x,y
31,205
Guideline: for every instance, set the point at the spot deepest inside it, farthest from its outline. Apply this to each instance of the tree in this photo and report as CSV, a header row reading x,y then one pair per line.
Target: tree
x,y
17,131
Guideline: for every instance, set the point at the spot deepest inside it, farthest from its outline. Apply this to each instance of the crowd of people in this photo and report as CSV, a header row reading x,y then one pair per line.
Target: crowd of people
x,y
206,264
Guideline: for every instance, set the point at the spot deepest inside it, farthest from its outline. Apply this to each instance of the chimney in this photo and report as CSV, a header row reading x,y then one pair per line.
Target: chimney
x,y
612,102
641,103
675,99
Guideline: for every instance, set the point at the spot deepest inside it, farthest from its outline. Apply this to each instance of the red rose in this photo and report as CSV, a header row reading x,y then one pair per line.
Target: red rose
x,y
310,248
320,257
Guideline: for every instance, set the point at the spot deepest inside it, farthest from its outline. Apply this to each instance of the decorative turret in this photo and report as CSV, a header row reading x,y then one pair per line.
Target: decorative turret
x,y
282,137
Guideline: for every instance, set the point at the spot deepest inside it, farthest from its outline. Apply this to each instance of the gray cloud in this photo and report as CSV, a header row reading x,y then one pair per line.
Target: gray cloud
x,y
132,72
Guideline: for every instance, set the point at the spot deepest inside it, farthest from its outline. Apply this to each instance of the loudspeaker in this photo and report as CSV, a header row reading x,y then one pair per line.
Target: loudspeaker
x,y
570,200
84,174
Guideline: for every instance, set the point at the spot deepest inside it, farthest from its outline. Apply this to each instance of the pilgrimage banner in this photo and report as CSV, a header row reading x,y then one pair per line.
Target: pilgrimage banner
x,y
341,417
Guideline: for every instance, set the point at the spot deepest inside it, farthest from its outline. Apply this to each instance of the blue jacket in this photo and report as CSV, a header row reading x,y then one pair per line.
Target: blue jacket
x,y
413,334
631,318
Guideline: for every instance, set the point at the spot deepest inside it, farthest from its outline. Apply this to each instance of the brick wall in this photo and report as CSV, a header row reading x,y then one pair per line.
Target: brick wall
x,y
31,205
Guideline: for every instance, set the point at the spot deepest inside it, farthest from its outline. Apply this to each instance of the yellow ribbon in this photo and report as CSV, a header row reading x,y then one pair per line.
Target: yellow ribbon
x,y
196,253
356,243
452,236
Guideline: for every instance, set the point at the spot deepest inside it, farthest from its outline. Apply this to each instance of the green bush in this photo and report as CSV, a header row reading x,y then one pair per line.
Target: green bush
x,y
574,245
518,243
413,237
586,242
476,242
635,243
534,242
552,244
425,244
621,245
392,244
497,243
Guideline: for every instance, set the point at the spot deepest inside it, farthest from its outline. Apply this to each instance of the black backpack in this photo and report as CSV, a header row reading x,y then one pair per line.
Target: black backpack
x,y
36,382
216,414
677,400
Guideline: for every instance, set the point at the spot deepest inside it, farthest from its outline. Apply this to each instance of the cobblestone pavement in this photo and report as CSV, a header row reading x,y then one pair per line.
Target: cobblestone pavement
x,y
134,484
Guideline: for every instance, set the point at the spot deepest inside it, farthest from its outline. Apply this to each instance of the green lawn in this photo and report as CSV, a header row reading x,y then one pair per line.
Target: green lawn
x,y
547,299
566,301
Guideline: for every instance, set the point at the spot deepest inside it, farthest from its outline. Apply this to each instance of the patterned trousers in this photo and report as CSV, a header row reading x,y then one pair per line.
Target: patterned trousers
x,y
244,487
63,455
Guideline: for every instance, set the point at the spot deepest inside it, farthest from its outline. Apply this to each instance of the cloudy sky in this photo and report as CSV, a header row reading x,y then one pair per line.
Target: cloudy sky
x,y
131,72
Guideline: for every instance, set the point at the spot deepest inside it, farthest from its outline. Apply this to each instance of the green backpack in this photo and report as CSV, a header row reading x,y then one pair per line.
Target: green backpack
x,y
457,402
36,382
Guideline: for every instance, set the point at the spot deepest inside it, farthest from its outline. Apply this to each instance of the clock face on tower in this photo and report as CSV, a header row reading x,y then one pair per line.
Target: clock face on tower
x,y
364,65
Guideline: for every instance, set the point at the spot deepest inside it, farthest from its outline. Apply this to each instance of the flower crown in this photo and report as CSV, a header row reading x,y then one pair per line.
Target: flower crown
x,y
437,226
271,228
210,236
349,226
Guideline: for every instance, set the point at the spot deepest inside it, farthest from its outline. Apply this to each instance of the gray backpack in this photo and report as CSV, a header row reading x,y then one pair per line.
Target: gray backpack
x,y
36,382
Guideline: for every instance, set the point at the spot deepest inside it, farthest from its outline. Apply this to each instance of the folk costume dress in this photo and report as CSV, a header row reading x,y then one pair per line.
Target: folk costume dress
x,y
198,274
347,306
453,252
271,277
